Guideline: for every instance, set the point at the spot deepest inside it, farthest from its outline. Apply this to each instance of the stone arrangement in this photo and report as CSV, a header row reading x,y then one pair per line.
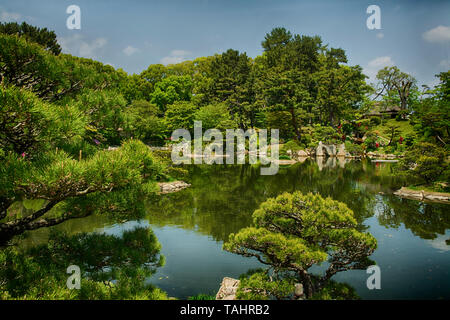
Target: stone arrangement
x,y
174,186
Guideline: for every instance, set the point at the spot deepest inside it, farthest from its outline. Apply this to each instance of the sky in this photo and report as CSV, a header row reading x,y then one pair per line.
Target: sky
x,y
414,35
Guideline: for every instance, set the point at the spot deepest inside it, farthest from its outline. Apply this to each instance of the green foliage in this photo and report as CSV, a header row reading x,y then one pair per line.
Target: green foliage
x,y
180,115
393,133
43,37
28,65
425,161
170,90
354,149
375,121
290,145
215,116
230,82
281,120
260,286
27,125
397,88
110,181
326,134
136,88
336,291
370,141
294,232
432,113
144,122
112,267
107,118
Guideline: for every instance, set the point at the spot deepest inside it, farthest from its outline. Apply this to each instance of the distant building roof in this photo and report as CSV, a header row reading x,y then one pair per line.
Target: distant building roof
x,y
380,108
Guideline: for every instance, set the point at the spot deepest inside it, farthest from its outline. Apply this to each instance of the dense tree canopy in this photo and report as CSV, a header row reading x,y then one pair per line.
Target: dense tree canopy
x,y
293,232
43,37
73,135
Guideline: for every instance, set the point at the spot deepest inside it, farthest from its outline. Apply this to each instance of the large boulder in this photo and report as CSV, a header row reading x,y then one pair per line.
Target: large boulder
x,y
228,288
341,151
319,150
302,154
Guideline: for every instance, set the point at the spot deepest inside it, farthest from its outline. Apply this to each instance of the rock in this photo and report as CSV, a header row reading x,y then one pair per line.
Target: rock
x,y
174,186
341,151
319,150
302,154
298,290
423,195
228,288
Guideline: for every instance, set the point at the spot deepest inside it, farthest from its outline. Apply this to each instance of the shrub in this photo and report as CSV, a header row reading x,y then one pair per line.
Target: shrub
x,y
353,148
375,121
290,145
425,161
293,232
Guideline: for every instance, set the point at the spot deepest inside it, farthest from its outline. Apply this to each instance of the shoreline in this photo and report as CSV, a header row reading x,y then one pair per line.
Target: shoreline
x,y
422,195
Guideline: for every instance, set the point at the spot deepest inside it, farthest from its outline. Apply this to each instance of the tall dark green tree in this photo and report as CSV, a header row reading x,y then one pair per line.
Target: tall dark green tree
x,y
287,83
44,37
230,82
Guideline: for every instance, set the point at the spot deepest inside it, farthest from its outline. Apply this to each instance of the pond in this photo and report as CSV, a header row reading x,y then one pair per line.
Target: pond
x,y
413,237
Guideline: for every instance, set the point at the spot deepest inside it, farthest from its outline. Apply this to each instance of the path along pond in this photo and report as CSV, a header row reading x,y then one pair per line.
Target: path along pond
x,y
191,225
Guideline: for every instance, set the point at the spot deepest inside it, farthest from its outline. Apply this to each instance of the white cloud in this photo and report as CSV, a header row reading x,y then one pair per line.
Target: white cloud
x,y
6,16
376,64
176,56
78,46
440,34
381,62
130,50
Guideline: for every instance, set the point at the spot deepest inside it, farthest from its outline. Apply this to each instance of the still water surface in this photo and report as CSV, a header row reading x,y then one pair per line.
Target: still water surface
x,y
413,237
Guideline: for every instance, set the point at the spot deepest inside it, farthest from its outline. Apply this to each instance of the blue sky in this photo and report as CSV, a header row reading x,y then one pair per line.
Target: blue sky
x,y
414,35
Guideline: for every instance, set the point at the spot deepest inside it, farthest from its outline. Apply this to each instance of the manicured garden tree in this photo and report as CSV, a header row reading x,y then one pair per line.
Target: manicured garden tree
x,y
73,185
111,267
425,161
393,132
294,232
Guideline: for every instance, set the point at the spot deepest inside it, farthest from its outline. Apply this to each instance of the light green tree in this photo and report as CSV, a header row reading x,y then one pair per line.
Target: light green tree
x,y
293,232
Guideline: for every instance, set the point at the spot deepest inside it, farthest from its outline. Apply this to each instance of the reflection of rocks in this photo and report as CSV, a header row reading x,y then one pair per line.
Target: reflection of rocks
x,y
319,161
342,161
228,288
374,155
174,186
423,195
331,162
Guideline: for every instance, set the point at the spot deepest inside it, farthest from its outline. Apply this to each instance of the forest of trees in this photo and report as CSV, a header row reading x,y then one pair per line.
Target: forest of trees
x,y
60,113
